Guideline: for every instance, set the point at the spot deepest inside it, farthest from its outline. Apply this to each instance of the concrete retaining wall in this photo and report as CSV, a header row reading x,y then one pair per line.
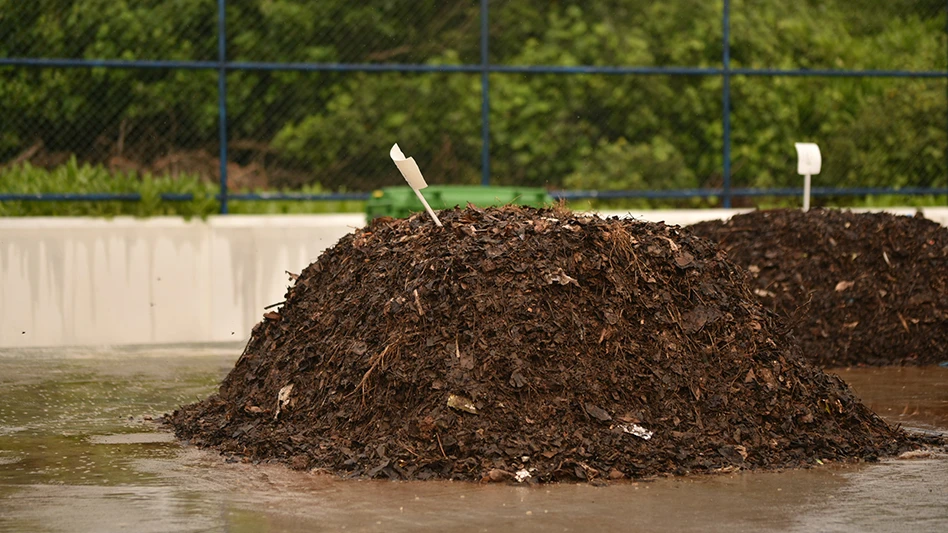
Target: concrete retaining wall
x,y
81,281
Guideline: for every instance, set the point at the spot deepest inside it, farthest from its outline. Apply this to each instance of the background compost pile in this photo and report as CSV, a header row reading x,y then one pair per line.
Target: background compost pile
x,y
858,288
516,341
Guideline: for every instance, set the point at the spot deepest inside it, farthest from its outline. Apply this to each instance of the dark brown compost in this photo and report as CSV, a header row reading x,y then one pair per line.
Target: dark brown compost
x,y
859,288
538,342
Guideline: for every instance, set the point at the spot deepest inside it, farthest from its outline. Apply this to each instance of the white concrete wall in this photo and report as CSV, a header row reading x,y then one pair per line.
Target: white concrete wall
x,y
82,281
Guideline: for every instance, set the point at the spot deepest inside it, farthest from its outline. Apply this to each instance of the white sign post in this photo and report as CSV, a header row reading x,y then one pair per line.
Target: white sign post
x,y
809,162
412,174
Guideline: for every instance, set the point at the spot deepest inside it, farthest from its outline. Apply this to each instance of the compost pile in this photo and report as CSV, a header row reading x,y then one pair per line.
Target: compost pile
x,y
529,344
859,288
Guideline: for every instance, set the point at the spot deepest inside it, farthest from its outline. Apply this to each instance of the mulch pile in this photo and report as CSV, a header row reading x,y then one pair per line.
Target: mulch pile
x,y
529,344
858,288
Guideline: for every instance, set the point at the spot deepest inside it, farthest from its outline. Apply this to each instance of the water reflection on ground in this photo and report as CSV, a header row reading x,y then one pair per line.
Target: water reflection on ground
x,y
78,452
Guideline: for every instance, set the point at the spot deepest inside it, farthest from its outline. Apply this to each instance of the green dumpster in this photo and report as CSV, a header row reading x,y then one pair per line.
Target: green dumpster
x,y
401,202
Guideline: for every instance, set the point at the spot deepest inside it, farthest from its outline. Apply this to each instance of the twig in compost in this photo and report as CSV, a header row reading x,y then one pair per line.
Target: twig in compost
x,y
409,450
421,310
271,306
376,359
440,447
904,323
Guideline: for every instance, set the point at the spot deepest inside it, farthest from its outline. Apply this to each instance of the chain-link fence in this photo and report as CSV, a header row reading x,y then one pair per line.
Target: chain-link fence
x,y
617,98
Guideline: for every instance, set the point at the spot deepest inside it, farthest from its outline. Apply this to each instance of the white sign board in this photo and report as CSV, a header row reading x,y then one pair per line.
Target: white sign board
x,y
809,159
408,168
809,162
412,174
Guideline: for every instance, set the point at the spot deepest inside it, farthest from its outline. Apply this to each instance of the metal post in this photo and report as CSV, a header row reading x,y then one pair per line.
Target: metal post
x,y
222,96
485,98
806,193
726,97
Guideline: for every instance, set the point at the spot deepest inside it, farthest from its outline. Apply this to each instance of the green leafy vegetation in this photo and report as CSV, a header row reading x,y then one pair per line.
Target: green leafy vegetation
x,y
330,131
75,178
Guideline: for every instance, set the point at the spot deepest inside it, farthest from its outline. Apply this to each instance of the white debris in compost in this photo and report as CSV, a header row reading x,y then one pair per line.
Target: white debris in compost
x,y
461,403
636,430
283,399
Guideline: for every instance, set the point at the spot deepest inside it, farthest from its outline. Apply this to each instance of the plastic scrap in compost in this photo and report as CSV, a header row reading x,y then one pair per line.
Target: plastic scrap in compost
x,y
636,430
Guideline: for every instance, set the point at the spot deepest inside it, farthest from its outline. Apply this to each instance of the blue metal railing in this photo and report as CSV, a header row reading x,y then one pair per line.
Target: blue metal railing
x,y
726,101
726,193
222,96
485,96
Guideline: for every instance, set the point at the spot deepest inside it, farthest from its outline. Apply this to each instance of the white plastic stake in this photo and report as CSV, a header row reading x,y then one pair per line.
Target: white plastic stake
x,y
412,175
809,162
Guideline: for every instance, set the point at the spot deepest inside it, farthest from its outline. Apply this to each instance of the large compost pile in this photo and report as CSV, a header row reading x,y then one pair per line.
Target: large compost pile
x,y
858,288
529,344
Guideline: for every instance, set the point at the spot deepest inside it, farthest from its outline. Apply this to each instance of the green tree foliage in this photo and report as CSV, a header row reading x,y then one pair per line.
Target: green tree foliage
x,y
333,129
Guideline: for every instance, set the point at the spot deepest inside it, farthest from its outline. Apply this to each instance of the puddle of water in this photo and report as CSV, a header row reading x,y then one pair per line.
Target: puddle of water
x,y
78,454
132,438
911,396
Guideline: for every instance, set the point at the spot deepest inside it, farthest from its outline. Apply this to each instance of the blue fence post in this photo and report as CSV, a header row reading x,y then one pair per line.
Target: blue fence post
x,y
485,98
222,96
726,101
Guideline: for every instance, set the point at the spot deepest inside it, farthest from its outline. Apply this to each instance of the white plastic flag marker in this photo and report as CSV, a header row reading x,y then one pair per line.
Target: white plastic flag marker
x,y
412,175
809,162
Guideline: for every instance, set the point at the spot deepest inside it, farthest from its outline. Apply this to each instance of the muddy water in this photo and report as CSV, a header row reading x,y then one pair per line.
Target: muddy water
x,y
79,453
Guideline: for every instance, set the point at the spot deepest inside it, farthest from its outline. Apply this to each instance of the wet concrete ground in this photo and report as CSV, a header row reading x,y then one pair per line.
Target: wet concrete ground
x,y
78,453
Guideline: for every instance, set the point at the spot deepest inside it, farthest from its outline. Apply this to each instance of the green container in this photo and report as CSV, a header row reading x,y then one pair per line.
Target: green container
x,y
401,202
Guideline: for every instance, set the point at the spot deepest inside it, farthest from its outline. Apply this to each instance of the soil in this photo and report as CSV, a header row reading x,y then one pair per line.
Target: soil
x,y
859,288
537,345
